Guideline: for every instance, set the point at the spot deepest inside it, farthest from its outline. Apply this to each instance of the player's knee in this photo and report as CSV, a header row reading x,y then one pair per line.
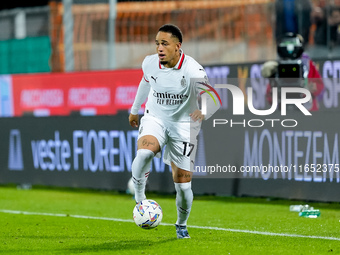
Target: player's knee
x,y
183,187
145,155
180,175
141,162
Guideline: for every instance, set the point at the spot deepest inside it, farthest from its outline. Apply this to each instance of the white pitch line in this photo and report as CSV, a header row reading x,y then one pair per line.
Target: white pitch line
x,y
168,224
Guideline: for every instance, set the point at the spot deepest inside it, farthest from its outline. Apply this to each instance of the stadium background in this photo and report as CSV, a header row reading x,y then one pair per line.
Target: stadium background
x,y
70,70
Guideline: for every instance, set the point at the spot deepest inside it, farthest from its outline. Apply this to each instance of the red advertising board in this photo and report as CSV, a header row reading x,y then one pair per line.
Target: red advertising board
x,y
90,93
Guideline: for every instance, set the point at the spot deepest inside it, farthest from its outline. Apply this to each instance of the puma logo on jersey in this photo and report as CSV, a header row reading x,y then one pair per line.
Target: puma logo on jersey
x,y
155,79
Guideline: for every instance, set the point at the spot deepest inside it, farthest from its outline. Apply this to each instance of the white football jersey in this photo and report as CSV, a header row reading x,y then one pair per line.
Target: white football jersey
x,y
173,94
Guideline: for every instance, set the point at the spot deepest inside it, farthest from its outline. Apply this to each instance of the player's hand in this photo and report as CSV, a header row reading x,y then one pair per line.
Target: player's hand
x,y
134,120
197,115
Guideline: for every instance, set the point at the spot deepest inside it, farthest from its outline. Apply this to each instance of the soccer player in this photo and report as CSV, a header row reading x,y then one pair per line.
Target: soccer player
x,y
172,82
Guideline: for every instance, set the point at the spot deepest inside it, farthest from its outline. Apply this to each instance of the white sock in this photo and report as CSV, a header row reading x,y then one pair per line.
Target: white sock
x,y
184,198
140,171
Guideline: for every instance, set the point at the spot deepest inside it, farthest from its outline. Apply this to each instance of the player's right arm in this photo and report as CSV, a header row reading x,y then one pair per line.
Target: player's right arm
x,y
141,96
134,120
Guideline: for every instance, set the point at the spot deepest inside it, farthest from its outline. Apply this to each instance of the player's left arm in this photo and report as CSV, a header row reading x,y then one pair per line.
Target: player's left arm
x,y
210,100
197,115
211,107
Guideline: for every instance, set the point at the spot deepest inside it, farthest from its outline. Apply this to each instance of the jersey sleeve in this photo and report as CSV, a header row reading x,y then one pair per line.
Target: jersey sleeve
x,y
142,92
210,99
141,96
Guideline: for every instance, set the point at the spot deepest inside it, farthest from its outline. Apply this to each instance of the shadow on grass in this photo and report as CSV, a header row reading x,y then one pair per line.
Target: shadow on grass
x,y
107,247
119,245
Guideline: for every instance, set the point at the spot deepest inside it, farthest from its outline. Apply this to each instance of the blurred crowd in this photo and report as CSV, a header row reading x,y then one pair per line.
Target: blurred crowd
x,y
302,16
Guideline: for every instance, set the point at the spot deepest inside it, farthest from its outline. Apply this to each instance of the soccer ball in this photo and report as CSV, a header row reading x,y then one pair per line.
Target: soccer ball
x,y
147,214
130,187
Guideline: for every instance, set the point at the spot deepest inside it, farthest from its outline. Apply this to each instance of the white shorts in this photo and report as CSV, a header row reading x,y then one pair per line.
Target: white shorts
x,y
180,139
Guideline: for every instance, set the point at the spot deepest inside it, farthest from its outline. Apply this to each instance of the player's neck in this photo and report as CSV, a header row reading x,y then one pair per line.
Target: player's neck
x,y
174,61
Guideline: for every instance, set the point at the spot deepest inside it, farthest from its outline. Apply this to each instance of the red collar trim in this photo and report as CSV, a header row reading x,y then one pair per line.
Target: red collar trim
x,y
180,61
178,65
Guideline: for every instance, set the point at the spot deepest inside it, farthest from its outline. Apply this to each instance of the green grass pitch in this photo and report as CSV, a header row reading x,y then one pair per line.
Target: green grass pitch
x,y
66,221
